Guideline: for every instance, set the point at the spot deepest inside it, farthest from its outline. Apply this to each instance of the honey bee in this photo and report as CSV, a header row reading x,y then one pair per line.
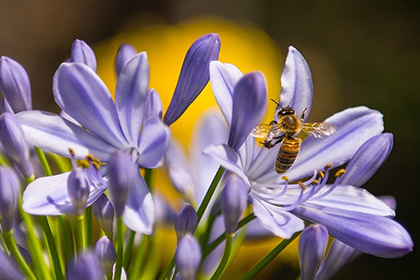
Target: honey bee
x,y
285,131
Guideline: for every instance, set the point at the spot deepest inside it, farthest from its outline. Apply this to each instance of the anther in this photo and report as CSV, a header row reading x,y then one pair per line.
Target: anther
x,y
340,172
71,152
84,163
89,157
328,166
321,174
315,182
302,185
97,165
285,178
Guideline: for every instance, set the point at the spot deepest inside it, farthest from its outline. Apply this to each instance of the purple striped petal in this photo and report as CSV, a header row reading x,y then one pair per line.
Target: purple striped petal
x,y
249,102
367,160
130,96
223,78
296,84
54,134
139,213
48,196
312,245
371,234
153,143
81,52
153,105
14,84
82,94
194,75
124,54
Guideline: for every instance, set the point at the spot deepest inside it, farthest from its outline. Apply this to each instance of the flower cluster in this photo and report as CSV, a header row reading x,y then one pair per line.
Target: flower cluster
x,y
105,150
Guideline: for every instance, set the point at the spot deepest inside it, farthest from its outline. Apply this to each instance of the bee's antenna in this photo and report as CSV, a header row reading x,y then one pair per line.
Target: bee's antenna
x,y
276,102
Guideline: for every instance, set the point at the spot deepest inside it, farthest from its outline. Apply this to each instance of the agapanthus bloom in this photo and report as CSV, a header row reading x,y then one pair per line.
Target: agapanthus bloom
x,y
280,205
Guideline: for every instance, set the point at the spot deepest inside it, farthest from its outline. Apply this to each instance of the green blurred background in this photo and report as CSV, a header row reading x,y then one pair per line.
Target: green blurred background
x,y
360,52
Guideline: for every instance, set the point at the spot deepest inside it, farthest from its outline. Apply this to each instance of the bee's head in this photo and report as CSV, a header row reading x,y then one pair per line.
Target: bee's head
x,y
286,111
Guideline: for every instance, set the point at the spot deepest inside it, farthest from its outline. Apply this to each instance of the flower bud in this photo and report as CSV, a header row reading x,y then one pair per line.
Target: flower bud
x,y
124,54
194,75
9,192
105,254
187,257
234,197
120,179
104,213
78,190
25,254
14,83
312,245
13,140
84,266
186,221
8,268
81,52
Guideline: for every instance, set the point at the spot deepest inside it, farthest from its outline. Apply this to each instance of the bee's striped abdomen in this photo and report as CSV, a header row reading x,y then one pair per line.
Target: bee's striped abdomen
x,y
288,152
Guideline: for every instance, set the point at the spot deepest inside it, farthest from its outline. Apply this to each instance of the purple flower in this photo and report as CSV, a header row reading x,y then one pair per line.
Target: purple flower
x,y
78,190
84,266
104,213
186,221
105,253
350,214
124,54
187,257
106,127
9,193
233,201
81,52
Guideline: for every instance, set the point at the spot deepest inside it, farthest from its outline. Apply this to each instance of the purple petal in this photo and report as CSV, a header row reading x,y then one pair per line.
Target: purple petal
x,y
370,234
249,101
124,54
81,52
280,223
54,134
354,127
227,158
153,143
139,214
153,105
223,78
194,75
312,245
234,197
130,96
367,160
296,84
187,257
81,93
338,256
14,83
48,196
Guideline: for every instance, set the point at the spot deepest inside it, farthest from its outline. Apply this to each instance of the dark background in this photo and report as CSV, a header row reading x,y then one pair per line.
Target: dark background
x,y
368,50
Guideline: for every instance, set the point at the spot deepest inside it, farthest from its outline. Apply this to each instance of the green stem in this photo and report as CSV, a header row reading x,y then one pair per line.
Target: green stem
x,y
65,238
137,264
204,238
168,269
88,227
209,248
42,220
269,258
209,193
44,162
128,250
80,234
120,249
13,248
148,178
224,261
61,163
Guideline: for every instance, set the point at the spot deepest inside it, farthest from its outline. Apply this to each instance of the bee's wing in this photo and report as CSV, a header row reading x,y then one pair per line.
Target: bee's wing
x,y
261,131
319,130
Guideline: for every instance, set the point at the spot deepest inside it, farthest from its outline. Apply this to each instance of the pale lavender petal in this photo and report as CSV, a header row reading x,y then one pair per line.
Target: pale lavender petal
x,y
194,75
367,160
248,152
390,201
124,54
139,214
66,116
223,78
81,52
353,199
54,134
280,223
175,154
249,101
296,84
354,127
312,245
227,158
153,105
338,256
153,143
182,181
371,234
14,83
82,94
130,96
48,196
263,164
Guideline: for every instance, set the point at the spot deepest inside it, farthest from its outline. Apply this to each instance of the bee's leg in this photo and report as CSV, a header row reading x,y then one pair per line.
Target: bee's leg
x,y
274,141
273,122
303,114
